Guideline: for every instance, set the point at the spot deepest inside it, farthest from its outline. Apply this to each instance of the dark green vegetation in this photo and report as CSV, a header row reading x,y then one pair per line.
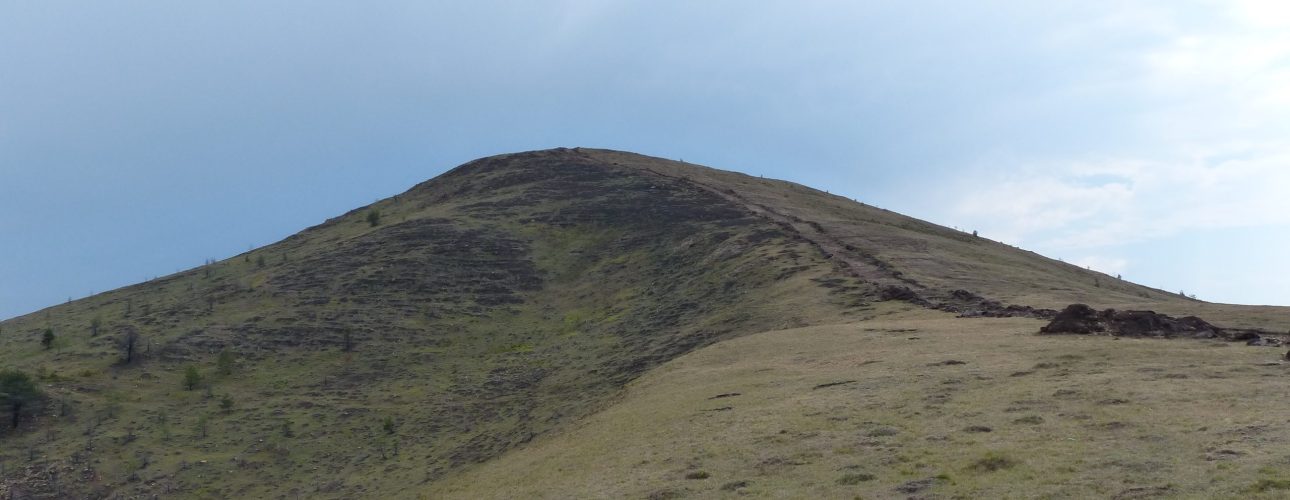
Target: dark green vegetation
x,y
17,393
408,340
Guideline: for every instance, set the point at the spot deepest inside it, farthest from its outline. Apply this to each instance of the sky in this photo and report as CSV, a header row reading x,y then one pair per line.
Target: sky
x,y
1142,138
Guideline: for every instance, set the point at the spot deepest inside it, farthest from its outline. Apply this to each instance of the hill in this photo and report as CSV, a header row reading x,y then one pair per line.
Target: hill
x,y
388,351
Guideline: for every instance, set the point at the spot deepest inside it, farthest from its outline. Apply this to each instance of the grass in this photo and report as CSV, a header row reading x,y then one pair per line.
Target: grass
x,y
785,439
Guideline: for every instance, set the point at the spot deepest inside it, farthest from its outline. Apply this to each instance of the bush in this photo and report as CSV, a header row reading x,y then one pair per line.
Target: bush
x,y
17,392
47,340
374,218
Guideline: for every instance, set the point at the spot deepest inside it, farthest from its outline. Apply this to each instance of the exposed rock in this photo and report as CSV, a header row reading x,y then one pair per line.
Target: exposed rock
x,y
1084,320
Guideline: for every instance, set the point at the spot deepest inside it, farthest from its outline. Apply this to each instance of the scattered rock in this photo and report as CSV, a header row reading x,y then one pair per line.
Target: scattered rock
x,y
834,384
948,362
977,428
1223,455
883,432
734,485
1144,492
912,487
726,395
850,479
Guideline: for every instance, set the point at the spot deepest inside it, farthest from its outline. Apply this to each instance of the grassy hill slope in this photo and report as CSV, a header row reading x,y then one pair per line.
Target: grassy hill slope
x,y
400,344
490,305
917,403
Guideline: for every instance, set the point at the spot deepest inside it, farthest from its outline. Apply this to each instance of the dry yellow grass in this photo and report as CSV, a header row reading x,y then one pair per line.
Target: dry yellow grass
x,y
1068,417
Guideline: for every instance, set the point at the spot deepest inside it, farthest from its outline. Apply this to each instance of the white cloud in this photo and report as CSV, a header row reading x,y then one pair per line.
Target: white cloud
x,y
1095,204
1212,106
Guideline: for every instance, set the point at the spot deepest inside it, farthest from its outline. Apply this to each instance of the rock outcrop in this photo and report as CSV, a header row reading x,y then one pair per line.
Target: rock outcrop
x,y
1081,319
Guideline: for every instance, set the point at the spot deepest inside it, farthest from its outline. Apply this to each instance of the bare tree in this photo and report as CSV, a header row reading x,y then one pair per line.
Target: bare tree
x,y
129,345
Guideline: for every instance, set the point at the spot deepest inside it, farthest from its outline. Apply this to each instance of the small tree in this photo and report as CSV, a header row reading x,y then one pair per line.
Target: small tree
x,y
95,325
224,364
47,339
192,378
17,392
129,343
226,402
201,425
388,424
374,217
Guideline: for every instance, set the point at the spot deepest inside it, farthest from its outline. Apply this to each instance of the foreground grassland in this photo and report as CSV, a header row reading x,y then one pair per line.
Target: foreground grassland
x,y
921,403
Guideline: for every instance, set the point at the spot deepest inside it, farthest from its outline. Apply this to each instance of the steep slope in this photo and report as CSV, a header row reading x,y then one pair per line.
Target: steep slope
x,y
403,342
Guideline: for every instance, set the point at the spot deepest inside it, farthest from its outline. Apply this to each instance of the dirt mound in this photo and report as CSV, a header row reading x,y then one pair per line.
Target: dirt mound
x,y
1084,320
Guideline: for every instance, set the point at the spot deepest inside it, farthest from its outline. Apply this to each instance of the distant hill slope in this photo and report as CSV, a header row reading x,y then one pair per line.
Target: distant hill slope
x,y
509,297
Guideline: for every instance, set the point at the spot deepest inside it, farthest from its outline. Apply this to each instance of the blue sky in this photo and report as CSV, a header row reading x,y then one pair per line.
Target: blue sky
x,y
1143,138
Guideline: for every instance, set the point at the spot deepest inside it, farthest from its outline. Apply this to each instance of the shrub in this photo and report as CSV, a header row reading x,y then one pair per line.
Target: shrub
x,y
17,392
374,218
47,339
